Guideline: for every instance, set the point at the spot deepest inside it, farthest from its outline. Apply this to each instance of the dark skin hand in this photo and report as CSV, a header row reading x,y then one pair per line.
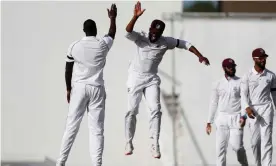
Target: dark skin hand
x,y
208,128
198,54
112,14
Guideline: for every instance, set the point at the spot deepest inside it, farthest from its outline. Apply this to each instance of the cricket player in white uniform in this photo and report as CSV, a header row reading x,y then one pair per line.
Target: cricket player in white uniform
x,y
85,63
226,101
143,78
258,95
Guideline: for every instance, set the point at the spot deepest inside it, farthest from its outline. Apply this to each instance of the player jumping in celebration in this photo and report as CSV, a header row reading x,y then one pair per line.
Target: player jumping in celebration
x,y
226,99
84,68
143,78
258,96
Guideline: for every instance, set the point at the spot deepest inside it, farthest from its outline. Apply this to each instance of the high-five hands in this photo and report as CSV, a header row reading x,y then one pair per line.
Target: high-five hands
x,y
137,10
112,12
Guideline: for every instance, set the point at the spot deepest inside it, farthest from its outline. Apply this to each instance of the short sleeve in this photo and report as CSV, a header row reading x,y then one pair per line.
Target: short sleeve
x,y
69,56
133,36
171,42
108,41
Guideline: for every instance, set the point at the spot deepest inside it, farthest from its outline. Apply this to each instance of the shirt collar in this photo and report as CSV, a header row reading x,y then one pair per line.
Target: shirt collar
x,y
227,78
256,73
88,37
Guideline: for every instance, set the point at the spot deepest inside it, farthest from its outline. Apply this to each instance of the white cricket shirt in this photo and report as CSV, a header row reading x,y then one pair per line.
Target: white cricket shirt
x,y
225,97
149,55
89,57
257,87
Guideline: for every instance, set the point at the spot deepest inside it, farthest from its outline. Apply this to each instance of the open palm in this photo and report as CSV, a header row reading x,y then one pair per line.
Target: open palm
x,y
137,9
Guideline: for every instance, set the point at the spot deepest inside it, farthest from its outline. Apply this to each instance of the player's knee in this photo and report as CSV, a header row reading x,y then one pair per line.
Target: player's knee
x,y
255,142
132,112
156,113
155,108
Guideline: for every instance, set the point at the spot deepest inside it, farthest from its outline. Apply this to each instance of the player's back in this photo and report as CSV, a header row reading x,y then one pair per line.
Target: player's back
x,y
89,55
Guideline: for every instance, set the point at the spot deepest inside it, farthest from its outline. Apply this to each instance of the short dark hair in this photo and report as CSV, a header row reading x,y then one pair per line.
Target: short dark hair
x,y
89,26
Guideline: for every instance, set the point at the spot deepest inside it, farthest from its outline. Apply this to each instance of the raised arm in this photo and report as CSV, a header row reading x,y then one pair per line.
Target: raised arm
x,y
112,14
136,14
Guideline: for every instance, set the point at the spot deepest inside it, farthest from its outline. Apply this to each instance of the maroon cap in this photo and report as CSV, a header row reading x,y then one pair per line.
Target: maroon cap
x,y
158,24
228,63
259,52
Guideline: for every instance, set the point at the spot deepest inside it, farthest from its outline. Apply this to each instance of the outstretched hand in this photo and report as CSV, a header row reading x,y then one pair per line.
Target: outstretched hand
x,y
137,10
112,13
205,60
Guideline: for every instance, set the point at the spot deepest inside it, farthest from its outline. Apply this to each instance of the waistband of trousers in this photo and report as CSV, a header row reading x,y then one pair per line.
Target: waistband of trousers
x,y
133,72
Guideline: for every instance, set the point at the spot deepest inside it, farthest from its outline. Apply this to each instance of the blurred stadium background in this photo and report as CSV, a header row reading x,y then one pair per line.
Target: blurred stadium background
x,y
35,37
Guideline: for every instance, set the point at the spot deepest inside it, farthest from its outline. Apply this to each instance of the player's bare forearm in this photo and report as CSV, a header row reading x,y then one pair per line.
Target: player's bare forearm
x,y
200,57
112,28
68,74
195,51
131,24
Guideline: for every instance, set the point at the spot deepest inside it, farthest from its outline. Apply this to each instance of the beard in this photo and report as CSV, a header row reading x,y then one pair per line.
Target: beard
x,y
230,74
152,38
261,65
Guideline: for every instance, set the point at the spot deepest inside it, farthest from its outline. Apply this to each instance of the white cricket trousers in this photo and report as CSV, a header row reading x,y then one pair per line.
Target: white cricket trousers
x,y
261,134
229,131
148,86
91,98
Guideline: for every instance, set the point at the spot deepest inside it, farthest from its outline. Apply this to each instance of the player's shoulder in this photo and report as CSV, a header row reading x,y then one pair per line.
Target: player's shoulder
x,y
74,43
247,73
216,83
237,78
270,72
143,33
167,40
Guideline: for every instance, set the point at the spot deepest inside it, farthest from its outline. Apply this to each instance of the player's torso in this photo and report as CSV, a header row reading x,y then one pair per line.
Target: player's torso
x,y
259,87
90,58
149,55
229,94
